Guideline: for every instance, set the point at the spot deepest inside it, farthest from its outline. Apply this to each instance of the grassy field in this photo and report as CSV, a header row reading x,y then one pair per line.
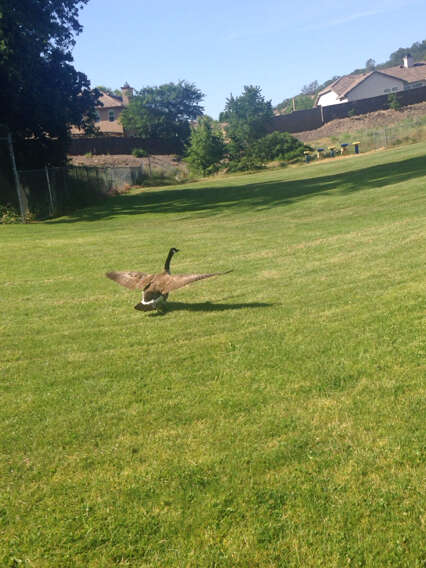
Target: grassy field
x,y
272,417
407,131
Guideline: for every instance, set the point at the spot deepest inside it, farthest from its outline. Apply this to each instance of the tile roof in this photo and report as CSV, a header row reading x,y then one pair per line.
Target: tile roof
x,y
345,84
109,101
410,74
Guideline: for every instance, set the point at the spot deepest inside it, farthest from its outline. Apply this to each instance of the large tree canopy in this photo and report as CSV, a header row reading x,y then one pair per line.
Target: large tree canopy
x,y
41,93
164,112
247,118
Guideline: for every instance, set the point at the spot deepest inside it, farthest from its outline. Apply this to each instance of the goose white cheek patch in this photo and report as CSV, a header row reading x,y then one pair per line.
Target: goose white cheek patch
x,y
152,302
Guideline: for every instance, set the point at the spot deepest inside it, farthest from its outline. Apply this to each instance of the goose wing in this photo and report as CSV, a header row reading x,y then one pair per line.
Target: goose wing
x,y
176,281
132,280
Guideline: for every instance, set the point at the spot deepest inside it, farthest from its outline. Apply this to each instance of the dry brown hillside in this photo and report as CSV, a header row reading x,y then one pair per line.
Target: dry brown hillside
x,y
373,120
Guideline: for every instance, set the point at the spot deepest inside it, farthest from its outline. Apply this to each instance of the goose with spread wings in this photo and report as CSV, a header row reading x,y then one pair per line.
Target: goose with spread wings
x,y
156,287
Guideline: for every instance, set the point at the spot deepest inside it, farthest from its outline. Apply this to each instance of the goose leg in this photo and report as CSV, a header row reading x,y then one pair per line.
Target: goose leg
x,y
161,304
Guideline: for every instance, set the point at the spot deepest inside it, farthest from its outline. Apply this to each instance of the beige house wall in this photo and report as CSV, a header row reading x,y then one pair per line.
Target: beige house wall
x,y
375,85
104,112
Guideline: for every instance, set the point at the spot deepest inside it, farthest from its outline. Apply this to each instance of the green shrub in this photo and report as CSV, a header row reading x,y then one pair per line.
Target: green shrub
x,y
245,164
9,214
139,153
394,102
278,146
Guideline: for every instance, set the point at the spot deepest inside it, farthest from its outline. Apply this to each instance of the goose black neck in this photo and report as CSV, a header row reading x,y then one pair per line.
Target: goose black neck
x,y
169,258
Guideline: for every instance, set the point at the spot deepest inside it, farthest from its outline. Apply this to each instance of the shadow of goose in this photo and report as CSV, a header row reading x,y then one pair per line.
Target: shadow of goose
x,y
210,307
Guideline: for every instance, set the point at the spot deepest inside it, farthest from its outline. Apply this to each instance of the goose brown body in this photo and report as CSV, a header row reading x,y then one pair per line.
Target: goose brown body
x,y
156,287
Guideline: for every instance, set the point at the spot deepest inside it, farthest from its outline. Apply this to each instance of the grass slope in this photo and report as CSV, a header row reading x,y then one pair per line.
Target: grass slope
x,y
272,417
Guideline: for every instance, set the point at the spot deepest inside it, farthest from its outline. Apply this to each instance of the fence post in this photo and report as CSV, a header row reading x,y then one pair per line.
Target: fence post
x,y
51,204
23,203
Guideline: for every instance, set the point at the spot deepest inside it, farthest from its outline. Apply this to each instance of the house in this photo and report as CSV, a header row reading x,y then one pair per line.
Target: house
x,y
108,112
350,88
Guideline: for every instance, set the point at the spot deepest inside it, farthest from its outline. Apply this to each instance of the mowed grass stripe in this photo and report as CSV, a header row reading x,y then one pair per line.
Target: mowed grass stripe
x,y
272,417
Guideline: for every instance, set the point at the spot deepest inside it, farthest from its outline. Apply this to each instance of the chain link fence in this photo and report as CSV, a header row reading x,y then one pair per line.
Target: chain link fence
x,y
53,191
394,135
408,132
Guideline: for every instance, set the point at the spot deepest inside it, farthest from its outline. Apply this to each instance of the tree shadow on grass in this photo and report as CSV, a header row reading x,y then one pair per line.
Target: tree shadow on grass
x,y
209,307
249,193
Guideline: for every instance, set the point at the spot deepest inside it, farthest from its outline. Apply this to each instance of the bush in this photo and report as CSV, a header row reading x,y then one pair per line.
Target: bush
x,y
278,146
8,214
394,102
139,153
245,164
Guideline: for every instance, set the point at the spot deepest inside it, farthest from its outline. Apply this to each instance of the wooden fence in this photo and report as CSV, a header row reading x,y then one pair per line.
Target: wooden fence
x,y
121,145
311,119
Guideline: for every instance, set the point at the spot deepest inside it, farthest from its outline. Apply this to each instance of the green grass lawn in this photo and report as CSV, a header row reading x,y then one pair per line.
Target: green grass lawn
x,y
272,417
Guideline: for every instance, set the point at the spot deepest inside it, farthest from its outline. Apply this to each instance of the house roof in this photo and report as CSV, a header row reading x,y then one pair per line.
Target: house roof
x,y
110,101
410,74
345,84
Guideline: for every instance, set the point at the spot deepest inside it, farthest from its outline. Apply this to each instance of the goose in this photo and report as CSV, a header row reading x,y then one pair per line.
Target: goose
x,y
156,287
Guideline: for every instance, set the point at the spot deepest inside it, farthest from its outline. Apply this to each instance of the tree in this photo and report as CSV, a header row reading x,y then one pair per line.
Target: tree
x,y
164,112
207,146
41,93
370,64
109,91
310,89
417,50
247,118
299,102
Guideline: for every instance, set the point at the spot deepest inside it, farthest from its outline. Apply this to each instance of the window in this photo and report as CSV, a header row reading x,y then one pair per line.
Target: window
x,y
387,90
394,88
111,116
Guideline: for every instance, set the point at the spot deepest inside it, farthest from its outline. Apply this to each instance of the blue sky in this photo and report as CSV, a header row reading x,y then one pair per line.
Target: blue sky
x,y
223,45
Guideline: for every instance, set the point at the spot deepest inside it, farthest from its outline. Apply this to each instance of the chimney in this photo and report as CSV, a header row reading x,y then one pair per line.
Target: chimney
x,y
408,61
126,93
